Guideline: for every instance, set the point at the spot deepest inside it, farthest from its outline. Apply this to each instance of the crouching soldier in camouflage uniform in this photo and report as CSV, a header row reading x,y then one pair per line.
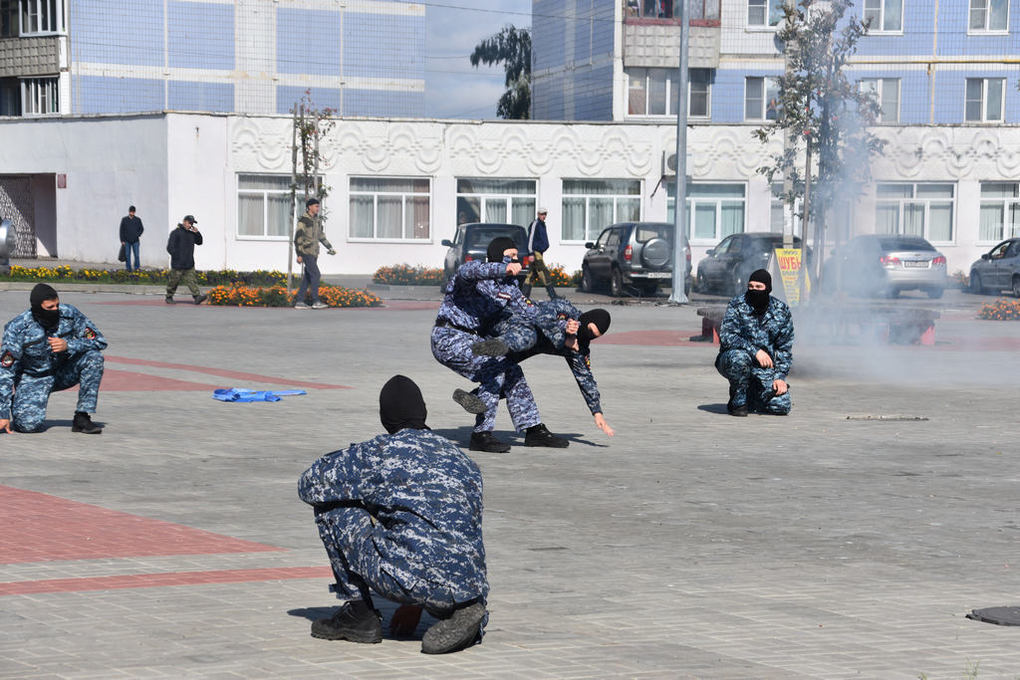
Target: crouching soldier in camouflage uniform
x,y
48,348
401,514
756,349
557,328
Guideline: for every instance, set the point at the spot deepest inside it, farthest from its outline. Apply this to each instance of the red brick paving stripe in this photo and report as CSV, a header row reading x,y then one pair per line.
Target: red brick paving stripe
x,y
224,373
159,580
131,381
38,527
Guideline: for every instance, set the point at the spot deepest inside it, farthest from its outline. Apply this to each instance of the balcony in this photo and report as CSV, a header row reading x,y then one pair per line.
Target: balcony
x,y
33,56
651,33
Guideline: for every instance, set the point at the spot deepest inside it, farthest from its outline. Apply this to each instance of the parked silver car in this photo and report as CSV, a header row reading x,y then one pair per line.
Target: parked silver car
x,y
998,269
885,264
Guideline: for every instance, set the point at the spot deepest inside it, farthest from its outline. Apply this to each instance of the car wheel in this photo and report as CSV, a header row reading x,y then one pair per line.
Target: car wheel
x,y
616,283
1016,285
936,293
975,284
587,284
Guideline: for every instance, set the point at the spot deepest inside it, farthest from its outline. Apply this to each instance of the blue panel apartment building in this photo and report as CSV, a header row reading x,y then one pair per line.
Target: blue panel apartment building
x,y
360,58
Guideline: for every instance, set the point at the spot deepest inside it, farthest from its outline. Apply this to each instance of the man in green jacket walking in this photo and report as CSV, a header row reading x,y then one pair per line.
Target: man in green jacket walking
x,y
307,238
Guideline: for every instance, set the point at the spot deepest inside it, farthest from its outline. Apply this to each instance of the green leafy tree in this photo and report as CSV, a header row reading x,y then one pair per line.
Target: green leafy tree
x,y
825,114
512,48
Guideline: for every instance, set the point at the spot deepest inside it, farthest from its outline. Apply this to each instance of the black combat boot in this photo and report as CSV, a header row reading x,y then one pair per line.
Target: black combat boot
x,y
169,299
551,289
492,347
469,401
82,423
355,621
487,442
199,299
454,633
539,435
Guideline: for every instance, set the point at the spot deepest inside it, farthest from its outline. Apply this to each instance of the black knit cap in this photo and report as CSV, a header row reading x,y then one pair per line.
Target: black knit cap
x,y
497,246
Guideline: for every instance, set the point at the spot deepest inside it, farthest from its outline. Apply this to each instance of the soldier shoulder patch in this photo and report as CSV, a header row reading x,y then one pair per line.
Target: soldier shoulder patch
x,y
587,360
7,360
90,334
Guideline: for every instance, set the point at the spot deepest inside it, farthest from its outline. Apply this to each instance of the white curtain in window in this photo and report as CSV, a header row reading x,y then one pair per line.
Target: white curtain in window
x,y
416,217
390,217
893,16
628,209
279,215
362,217
887,218
913,219
249,215
600,215
704,221
941,218
732,219
573,219
990,222
495,210
522,211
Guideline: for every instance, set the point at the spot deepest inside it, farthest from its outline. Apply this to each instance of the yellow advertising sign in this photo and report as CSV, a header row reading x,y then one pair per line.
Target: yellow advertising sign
x,y
788,260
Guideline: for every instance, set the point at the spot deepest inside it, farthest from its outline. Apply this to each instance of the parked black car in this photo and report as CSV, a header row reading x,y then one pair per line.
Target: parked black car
x,y
638,254
471,241
998,269
725,268
885,264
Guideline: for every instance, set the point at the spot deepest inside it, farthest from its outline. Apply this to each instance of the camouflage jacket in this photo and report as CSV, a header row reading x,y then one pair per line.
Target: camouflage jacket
x,y
772,331
308,235
425,497
479,294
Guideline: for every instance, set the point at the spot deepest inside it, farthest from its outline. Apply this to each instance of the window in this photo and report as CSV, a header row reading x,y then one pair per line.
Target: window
x,y
887,93
924,210
984,99
503,201
652,9
10,97
41,16
989,15
39,96
764,12
717,210
886,16
704,10
589,205
1000,211
8,18
655,92
761,98
391,209
263,206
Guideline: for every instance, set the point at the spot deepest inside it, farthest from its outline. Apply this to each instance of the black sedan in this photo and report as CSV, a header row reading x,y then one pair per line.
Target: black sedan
x,y
471,241
725,268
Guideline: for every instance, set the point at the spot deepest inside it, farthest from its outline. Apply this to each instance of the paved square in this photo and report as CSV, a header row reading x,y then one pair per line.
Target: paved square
x,y
848,540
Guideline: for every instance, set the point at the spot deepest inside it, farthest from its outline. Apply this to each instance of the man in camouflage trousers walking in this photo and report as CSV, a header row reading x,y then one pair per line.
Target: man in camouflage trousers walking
x,y
401,515
181,246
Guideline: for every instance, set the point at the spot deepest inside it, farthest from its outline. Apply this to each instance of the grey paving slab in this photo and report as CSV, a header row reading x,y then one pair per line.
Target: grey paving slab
x,y
691,545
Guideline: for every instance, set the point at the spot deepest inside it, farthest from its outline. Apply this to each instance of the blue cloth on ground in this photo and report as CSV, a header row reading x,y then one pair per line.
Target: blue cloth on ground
x,y
243,395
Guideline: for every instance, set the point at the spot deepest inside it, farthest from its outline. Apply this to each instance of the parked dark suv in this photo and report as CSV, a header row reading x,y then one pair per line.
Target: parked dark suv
x,y
725,268
471,241
638,254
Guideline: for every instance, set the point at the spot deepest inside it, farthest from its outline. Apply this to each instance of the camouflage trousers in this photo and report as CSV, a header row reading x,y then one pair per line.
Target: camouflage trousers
x,y
185,276
537,271
31,394
355,544
750,384
496,377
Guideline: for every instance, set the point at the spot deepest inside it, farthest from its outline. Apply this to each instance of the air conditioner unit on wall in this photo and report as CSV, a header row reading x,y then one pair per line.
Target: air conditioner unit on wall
x,y
669,165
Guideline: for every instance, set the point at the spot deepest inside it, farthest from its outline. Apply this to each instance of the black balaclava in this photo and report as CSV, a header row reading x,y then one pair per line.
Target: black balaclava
x,y
47,318
600,318
401,405
497,246
759,299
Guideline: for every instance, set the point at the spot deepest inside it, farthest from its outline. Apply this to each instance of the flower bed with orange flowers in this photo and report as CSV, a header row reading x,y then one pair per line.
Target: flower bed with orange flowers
x,y
1001,310
276,296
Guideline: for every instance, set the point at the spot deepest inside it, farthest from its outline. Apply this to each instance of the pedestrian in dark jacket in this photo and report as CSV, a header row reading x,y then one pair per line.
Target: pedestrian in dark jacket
x,y
130,231
538,243
181,246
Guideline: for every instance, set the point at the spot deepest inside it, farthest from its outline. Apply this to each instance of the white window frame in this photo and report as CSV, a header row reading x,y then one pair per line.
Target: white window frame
x,y
901,202
591,232
694,201
38,13
984,100
1008,205
877,27
767,25
764,95
486,197
987,11
670,83
404,196
877,86
264,194
38,94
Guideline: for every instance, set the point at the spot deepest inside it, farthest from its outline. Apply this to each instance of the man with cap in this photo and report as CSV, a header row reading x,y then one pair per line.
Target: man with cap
x,y
756,350
181,246
48,348
131,229
560,329
307,238
538,243
479,295
401,515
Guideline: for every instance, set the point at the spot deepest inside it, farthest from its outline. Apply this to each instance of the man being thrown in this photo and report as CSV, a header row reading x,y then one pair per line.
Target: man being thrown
x,y
401,514
756,349
48,348
557,327
479,294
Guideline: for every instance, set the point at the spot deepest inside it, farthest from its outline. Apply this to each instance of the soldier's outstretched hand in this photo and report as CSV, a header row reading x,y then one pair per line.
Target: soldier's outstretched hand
x,y
573,325
5,426
601,423
405,620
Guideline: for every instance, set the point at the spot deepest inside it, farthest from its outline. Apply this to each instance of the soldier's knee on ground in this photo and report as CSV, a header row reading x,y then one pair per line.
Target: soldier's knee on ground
x,y
31,422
